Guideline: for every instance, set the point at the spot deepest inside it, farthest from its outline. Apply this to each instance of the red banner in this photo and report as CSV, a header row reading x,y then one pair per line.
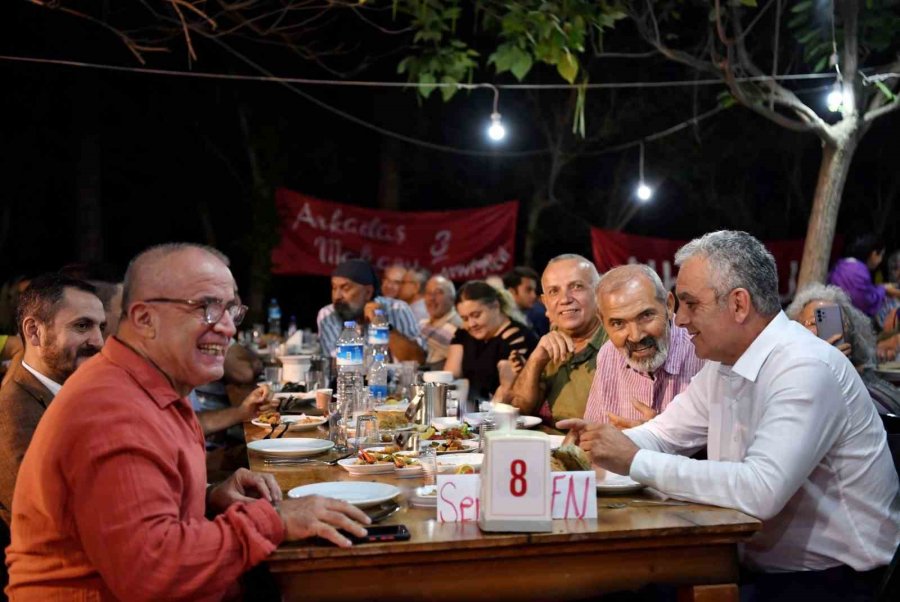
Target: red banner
x,y
463,244
617,248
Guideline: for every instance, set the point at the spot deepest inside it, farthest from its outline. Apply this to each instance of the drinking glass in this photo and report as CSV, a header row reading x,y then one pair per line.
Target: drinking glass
x,y
428,459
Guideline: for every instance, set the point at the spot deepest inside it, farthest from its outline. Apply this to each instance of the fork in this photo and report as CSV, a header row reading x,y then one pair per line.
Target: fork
x,y
295,461
287,427
269,434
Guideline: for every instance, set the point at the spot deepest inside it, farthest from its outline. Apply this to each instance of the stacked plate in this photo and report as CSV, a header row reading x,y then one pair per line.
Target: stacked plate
x,y
360,494
450,464
355,469
614,483
296,447
424,496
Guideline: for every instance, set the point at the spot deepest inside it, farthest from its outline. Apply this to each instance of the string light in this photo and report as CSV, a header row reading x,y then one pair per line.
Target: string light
x,y
496,131
835,99
643,191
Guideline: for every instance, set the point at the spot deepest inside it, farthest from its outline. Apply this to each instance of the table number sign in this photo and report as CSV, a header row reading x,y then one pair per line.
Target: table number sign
x,y
515,482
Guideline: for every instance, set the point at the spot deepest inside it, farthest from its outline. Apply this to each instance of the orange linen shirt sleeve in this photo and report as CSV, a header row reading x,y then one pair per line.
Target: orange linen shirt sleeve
x,y
141,523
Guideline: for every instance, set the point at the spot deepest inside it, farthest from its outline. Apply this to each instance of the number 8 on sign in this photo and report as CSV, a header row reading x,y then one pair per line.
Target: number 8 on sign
x,y
518,486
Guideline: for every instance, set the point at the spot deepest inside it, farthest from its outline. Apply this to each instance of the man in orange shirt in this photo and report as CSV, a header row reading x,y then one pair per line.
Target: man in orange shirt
x,y
112,496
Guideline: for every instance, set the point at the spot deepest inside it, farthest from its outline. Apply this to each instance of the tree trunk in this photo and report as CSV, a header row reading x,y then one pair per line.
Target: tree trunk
x,y
535,208
836,159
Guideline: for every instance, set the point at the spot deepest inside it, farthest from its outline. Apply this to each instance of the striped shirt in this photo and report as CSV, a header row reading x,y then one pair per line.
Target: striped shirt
x,y
397,312
616,383
438,336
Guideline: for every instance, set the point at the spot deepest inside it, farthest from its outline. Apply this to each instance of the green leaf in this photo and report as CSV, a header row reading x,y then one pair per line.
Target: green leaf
x,y
521,65
821,64
751,3
886,91
426,78
568,67
801,6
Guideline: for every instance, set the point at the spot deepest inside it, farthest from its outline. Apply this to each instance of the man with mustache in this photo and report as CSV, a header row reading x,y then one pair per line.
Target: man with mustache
x,y
555,381
60,322
648,360
355,295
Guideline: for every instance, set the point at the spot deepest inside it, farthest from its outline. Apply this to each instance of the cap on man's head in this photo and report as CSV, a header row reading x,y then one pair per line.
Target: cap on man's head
x,y
359,271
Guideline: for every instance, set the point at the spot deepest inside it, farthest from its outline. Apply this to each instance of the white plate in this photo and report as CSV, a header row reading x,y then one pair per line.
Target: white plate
x,y
449,464
556,441
527,422
359,493
296,447
350,465
446,422
475,418
294,421
614,483
410,472
425,496
469,446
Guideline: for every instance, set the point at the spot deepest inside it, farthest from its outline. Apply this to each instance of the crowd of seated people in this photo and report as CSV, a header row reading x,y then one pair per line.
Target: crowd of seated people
x,y
638,376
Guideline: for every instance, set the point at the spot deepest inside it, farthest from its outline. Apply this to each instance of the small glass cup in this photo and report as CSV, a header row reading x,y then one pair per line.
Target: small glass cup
x,y
337,433
366,431
323,400
428,460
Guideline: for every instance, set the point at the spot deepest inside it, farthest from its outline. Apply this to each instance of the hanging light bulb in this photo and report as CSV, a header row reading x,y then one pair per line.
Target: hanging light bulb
x,y
643,192
835,98
496,131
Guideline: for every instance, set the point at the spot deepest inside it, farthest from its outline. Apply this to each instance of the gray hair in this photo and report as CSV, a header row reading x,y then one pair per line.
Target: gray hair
x,y
158,252
857,327
619,276
585,263
737,260
446,284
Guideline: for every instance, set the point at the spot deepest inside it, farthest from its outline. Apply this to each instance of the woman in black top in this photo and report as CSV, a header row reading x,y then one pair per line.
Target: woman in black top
x,y
487,337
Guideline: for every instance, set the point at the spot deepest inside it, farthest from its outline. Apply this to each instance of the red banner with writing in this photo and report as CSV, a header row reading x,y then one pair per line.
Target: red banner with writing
x,y
463,244
617,248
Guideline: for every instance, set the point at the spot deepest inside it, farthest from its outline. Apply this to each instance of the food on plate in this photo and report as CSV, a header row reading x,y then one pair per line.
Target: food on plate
x,y
453,445
369,457
465,469
389,419
460,432
403,461
569,457
304,419
270,417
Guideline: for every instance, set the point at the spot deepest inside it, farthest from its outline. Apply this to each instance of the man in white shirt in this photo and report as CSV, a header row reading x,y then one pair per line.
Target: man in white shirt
x,y
442,322
793,437
60,321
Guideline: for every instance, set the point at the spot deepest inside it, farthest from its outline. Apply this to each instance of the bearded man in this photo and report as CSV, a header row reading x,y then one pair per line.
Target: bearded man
x,y
648,360
355,295
60,321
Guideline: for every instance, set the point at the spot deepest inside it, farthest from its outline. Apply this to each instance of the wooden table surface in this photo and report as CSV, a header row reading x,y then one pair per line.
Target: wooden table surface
x,y
623,548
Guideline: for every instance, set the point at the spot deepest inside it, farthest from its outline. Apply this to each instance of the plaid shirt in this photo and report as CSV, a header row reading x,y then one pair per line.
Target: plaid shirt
x,y
616,383
397,312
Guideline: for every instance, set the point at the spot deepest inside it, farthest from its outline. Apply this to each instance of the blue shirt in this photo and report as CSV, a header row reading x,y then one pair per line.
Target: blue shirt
x,y
397,312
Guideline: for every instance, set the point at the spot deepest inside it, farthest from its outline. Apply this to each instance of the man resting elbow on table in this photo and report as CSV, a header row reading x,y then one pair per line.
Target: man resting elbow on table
x,y
112,495
793,437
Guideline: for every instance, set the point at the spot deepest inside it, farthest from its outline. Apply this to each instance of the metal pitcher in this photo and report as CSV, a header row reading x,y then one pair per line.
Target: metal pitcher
x,y
435,400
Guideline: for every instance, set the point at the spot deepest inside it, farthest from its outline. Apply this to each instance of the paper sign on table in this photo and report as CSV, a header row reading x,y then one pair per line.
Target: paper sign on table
x,y
573,496
514,486
457,498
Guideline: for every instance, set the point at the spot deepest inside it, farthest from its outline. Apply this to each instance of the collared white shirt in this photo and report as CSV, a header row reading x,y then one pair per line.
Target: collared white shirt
x,y
51,385
794,440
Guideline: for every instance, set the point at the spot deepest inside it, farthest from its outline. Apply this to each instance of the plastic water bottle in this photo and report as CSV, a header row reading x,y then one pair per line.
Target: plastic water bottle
x,y
378,378
274,317
379,335
350,368
292,326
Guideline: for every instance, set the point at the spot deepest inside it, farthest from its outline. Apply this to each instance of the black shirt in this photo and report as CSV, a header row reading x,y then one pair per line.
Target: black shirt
x,y
479,363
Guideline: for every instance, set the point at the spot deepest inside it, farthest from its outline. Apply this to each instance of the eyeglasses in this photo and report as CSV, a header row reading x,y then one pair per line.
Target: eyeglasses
x,y
213,309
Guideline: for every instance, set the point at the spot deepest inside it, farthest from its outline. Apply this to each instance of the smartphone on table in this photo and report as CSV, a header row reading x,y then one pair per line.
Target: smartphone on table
x,y
829,322
380,533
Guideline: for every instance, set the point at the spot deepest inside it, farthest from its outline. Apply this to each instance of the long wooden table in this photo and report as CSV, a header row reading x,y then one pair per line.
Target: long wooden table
x,y
694,547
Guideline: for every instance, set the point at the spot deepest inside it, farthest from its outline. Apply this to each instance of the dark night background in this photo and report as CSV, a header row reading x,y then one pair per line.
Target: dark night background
x,y
168,157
